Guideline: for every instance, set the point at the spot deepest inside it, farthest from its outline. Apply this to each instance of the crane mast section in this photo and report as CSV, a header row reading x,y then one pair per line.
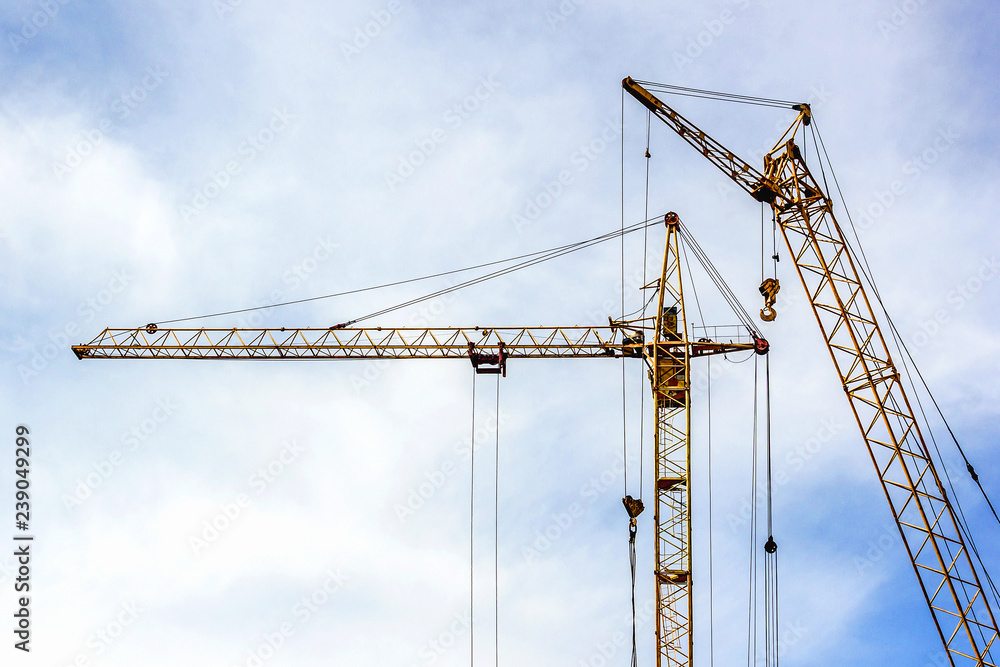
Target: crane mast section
x,y
925,518
669,360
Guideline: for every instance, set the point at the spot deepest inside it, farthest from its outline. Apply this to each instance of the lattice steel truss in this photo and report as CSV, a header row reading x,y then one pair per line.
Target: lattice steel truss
x,y
669,359
871,381
660,341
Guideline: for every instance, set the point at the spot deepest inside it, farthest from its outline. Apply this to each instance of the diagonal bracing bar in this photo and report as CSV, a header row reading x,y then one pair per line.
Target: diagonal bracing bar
x,y
926,520
660,341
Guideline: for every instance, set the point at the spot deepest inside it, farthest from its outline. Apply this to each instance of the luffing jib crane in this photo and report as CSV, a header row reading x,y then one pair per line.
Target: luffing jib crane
x,y
917,499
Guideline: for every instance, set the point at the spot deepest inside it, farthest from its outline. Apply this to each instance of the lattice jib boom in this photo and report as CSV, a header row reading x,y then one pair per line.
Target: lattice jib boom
x,y
871,381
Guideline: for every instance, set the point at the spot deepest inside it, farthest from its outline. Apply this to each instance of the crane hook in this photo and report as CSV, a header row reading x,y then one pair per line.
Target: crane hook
x,y
634,508
769,290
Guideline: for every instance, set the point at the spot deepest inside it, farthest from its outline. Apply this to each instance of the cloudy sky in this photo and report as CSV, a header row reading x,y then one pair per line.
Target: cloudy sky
x,y
164,160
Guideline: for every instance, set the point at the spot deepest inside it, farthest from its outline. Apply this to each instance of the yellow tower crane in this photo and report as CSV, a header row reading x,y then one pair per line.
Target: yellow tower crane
x,y
661,342
828,272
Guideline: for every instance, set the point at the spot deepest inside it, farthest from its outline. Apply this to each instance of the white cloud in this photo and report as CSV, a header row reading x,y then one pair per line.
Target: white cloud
x,y
307,210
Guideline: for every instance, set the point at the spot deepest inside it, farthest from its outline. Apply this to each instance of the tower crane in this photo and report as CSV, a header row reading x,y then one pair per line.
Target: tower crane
x,y
827,270
661,342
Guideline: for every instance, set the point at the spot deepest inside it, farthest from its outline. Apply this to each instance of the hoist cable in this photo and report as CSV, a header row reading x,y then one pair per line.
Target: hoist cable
x,y
472,511
694,291
716,277
716,95
711,558
960,519
770,547
496,535
774,243
751,603
968,465
901,347
900,343
638,310
631,560
645,244
624,398
645,233
767,435
762,242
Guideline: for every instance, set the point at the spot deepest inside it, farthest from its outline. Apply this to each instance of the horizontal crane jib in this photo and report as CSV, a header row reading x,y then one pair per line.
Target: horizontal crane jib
x,y
378,342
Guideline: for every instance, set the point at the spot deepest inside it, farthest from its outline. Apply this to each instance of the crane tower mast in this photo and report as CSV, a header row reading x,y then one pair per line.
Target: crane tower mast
x,y
925,518
660,341
871,381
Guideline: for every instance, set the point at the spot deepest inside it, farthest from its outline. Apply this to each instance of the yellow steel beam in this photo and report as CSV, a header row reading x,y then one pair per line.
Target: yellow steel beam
x,y
661,341
151,342
925,518
669,357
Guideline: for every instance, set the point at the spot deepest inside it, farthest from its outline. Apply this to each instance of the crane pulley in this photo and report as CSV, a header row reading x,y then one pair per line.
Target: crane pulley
x,y
826,268
660,342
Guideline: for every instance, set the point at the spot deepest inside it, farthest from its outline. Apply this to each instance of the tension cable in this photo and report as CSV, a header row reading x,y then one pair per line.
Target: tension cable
x,y
525,261
770,559
496,526
472,524
634,508
770,547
